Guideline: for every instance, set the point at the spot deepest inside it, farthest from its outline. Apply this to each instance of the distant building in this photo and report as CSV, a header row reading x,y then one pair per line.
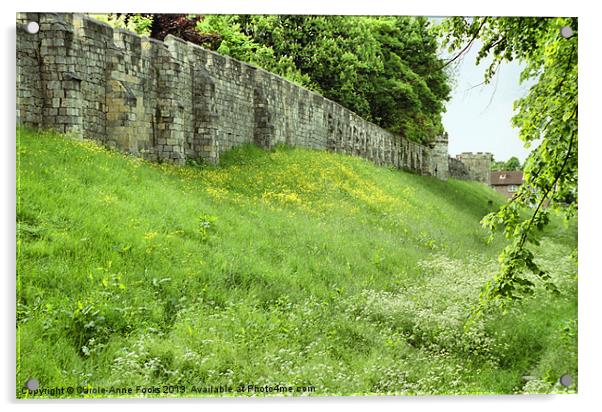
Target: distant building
x,y
506,182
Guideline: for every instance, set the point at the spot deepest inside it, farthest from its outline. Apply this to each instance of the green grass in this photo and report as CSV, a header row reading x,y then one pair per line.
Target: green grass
x,y
290,267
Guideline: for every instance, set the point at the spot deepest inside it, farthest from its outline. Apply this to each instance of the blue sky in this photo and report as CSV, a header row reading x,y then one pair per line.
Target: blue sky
x,y
479,119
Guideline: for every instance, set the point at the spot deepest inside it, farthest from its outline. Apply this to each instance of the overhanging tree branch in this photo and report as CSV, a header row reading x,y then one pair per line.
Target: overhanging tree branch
x,y
548,189
467,47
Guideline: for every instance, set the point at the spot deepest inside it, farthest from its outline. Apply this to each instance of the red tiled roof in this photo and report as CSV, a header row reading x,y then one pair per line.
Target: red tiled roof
x,y
505,178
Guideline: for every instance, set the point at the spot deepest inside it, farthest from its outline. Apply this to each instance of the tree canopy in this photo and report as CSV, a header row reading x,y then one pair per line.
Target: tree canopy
x,y
547,119
511,164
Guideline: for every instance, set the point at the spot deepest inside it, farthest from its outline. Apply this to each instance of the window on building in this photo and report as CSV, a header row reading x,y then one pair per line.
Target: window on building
x,y
512,188
502,176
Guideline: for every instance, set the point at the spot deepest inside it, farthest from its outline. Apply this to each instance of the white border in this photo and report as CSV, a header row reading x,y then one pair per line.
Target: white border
x,y
589,226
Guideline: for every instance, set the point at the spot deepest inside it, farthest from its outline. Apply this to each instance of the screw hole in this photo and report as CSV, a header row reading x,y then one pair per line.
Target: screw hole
x,y
566,380
32,384
32,27
566,32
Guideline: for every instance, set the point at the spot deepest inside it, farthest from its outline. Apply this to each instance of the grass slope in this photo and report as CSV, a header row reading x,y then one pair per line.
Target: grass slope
x,y
289,267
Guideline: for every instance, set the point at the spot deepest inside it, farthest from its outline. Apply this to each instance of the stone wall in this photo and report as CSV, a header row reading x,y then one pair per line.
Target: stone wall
x,y
476,165
457,169
172,100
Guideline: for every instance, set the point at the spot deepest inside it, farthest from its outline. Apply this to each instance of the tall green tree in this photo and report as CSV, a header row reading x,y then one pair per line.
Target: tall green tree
x,y
511,164
409,93
547,117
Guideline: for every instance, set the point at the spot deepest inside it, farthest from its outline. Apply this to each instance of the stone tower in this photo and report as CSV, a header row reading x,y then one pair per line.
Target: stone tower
x,y
440,157
478,165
